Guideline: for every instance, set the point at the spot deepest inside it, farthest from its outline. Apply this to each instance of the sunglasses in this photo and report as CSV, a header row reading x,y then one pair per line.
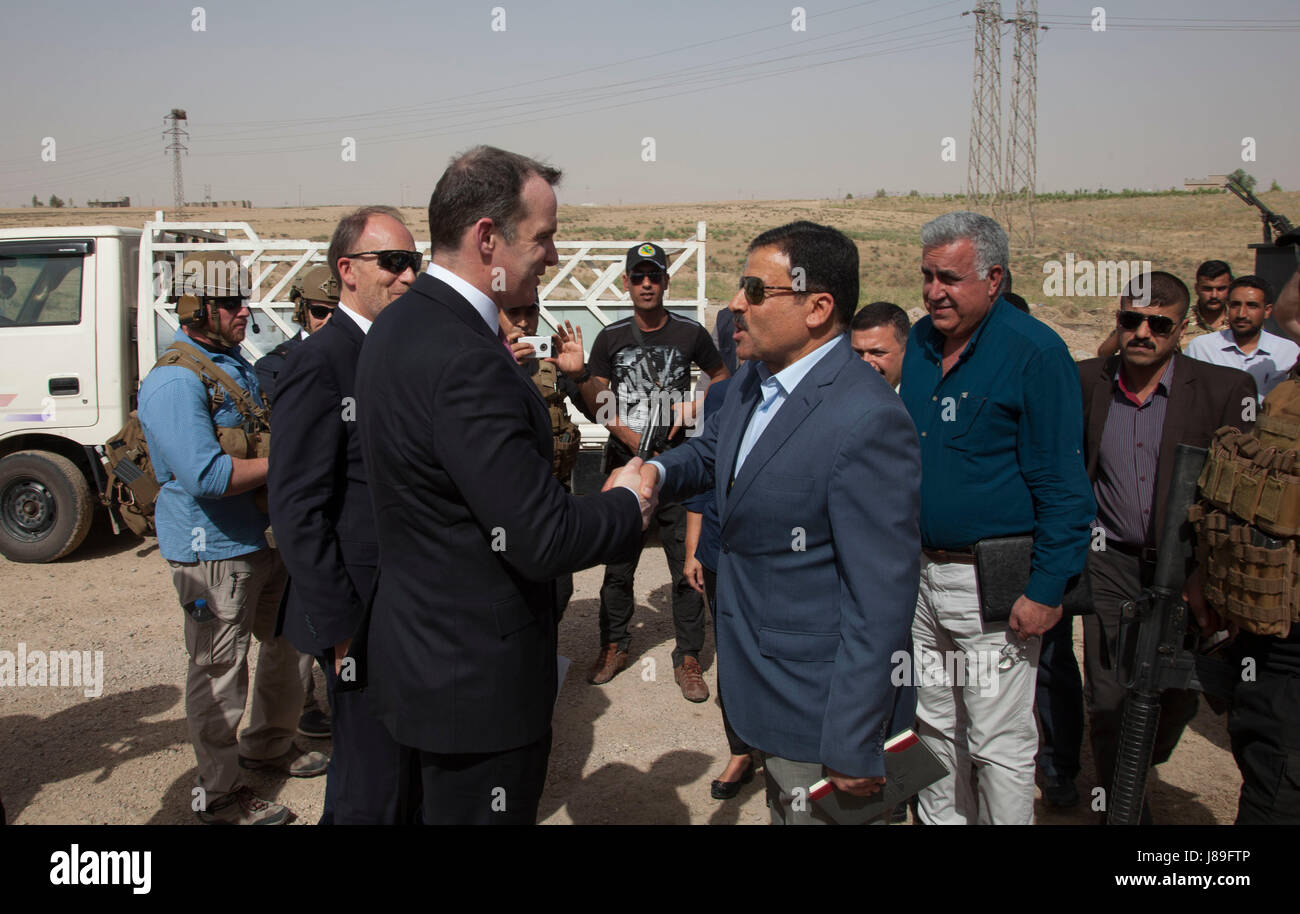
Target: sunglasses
x,y
394,261
228,304
655,276
1160,324
320,312
756,290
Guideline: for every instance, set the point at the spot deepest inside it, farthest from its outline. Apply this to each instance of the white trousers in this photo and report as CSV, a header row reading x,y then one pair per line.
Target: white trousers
x,y
975,704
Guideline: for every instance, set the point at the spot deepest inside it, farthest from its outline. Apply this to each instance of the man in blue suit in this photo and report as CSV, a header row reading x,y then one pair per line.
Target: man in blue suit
x,y
816,469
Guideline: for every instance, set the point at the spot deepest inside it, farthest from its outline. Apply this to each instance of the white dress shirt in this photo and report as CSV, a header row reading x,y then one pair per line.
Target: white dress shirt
x,y
357,319
477,299
1268,363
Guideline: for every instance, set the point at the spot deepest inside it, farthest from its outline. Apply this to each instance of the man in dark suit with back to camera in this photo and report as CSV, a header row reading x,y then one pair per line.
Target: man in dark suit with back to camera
x,y
815,467
473,528
320,503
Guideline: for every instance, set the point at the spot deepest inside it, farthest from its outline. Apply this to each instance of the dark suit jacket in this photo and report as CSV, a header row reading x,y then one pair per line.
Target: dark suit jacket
x,y
1204,398
819,561
269,366
473,529
320,505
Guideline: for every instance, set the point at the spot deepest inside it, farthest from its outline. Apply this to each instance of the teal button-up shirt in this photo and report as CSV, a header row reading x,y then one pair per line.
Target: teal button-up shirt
x,y
1002,443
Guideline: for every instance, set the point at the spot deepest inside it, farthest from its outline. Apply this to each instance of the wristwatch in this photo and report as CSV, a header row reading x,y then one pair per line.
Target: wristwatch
x,y
584,377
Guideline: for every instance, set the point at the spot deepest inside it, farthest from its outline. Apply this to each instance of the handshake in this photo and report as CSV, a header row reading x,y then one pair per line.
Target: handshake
x,y
641,478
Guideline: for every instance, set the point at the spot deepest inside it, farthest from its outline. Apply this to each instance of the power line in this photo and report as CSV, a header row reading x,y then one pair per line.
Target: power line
x,y
984,169
1022,139
424,107
176,147
452,129
751,59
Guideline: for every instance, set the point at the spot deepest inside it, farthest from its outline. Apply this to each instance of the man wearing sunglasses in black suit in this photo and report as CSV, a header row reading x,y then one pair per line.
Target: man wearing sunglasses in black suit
x,y
320,503
1137,406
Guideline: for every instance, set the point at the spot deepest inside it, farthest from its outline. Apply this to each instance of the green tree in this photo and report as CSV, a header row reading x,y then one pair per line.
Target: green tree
x,y
55,202
880,193
1275,185
36,202
1246,181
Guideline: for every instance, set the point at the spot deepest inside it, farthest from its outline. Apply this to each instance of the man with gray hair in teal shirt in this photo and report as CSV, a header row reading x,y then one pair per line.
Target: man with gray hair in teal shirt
x,y
995,398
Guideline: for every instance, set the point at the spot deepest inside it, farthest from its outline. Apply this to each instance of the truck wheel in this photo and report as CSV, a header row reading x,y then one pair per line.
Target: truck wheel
x,y
45,506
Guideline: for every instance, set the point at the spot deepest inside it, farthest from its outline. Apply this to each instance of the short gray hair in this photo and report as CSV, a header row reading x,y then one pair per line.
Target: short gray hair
x,y
985,234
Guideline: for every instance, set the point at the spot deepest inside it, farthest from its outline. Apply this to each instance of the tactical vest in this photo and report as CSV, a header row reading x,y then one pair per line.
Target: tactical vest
x,y
568,438
1247,521
131,487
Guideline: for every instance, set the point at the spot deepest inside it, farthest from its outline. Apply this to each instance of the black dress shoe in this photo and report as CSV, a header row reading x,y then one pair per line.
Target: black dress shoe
x,y
727,790
1060,793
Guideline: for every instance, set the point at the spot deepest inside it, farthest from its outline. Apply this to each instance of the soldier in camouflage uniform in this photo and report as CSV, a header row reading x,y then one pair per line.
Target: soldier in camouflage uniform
x,y
559,378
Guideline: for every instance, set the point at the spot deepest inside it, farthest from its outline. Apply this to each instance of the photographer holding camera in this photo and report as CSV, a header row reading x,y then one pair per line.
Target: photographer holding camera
x,y
642,364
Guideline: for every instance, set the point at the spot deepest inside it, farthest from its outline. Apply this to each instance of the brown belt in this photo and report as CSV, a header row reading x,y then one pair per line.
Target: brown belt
x,y
959,556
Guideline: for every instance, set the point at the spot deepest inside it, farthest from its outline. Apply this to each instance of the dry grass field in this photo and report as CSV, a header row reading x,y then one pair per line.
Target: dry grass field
x,y
1175,232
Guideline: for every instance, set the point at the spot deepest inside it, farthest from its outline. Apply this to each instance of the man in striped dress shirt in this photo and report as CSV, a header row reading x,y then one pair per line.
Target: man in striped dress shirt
x,y
1137,407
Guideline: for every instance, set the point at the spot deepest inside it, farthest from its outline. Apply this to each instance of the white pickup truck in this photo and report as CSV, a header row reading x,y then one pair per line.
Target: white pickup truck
x,y
83,316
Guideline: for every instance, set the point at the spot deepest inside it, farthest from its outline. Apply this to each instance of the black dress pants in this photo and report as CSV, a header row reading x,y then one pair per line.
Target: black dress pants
x,y
617,603
1264,725
737,745
1058,695
475,788
361,784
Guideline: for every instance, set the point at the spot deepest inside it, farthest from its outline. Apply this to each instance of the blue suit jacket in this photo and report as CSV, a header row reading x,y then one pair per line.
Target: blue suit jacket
x,y
819,563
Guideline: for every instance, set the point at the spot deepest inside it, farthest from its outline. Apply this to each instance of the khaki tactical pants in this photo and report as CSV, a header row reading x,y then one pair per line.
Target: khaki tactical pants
x,y
242,599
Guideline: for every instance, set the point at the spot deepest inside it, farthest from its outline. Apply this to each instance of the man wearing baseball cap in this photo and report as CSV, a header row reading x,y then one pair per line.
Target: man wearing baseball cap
x,y
639,363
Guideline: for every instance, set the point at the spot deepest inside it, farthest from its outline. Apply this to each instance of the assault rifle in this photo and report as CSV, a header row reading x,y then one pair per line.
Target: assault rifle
x,y
1157,647
1273,222
657,426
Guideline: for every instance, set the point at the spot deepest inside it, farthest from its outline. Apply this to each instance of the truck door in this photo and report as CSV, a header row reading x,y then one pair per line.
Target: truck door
x,y
47,335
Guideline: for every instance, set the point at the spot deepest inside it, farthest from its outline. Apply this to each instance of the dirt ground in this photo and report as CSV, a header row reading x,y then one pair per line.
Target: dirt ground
x,y
629,752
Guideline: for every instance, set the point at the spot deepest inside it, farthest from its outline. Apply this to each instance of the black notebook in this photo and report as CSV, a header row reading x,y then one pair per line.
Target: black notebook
x,y
1002,566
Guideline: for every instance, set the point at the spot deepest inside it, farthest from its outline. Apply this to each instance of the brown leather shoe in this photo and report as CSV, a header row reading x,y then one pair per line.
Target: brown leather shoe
x,y
691,679
607,664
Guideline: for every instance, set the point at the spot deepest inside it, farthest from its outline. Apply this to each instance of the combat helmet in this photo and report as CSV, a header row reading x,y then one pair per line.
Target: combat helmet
x,y
316,284
202,276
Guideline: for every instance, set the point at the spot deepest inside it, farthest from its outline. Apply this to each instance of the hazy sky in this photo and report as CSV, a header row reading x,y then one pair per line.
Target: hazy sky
x,y
737,102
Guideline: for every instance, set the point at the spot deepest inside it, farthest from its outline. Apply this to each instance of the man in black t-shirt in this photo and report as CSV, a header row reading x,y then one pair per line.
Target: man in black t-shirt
x,y
633,361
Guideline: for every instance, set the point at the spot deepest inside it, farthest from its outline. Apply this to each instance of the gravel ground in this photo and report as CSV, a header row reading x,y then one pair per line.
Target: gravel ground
x,y
631,751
